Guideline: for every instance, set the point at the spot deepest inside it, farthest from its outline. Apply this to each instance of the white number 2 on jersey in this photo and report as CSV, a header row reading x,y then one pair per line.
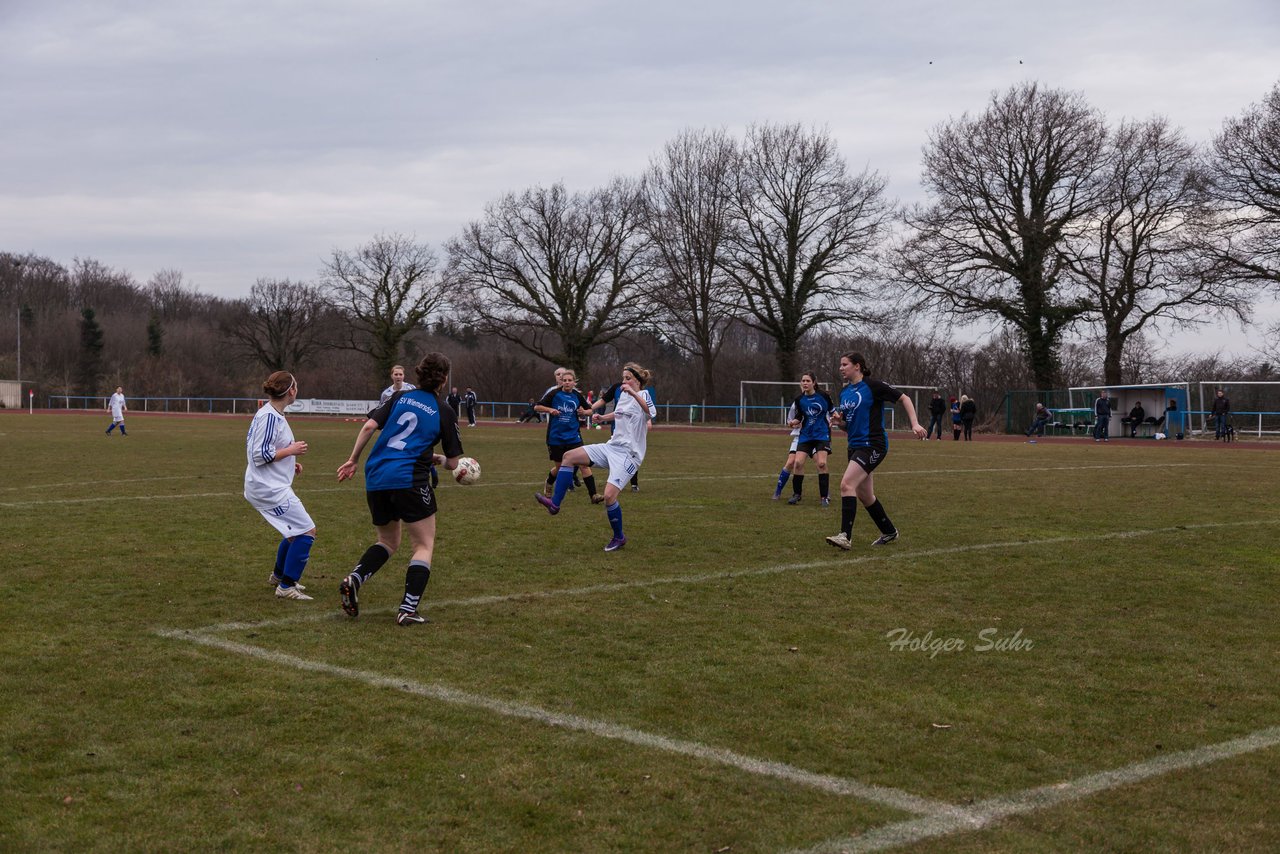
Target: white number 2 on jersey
x,y
410,422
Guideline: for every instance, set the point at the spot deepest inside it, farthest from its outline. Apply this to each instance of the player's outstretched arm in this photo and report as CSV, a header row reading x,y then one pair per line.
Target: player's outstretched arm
x,y
911,413
348,468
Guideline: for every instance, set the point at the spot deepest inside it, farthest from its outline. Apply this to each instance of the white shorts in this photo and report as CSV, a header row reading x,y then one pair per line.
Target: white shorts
x,y
621,465
795,442
289,518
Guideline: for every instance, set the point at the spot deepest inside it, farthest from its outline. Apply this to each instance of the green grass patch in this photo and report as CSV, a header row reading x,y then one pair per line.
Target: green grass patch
x,y
1138,580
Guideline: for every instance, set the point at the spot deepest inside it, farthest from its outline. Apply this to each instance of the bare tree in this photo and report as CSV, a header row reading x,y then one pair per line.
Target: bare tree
x,y
280,324
554,273
1138,256
800,253
386,288
1244,167
688,197
1007,188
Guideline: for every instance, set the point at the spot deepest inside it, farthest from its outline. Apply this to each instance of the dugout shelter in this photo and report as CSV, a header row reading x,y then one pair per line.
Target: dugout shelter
x,y
1167,406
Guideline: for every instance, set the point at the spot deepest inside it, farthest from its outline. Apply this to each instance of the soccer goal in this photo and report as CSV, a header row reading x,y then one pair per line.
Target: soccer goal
x,y
1255,405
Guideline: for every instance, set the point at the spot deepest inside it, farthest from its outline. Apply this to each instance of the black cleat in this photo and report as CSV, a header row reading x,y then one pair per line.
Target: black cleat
x,y
885,539
350,598
794,499
409,618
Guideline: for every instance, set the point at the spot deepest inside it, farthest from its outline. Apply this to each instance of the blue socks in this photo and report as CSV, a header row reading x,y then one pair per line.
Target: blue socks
x,y
564,479
295,560
281,552
614,512
782,481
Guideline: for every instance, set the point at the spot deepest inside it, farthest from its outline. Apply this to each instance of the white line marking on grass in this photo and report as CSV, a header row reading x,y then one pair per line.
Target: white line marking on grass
x,y
112,481
993,810
886,796
115,499
888,555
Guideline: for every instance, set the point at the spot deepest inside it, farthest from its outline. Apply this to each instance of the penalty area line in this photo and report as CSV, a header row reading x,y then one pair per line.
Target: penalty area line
x,y
887,556
883,795
986,813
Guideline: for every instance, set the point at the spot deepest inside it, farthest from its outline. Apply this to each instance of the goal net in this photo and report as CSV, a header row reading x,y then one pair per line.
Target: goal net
x,y
1255,406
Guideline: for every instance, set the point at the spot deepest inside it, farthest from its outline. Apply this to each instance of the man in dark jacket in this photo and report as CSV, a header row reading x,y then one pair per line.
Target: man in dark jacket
x,y
1136,417
1219,412
1102,417
937,407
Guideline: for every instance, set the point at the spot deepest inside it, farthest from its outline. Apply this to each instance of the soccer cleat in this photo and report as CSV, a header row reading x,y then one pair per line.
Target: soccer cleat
x,y
840,541
292,593
777,495
885,539
597,499
794,499
546,502
409,618
615,544
826,502
348,591
635,489
275,580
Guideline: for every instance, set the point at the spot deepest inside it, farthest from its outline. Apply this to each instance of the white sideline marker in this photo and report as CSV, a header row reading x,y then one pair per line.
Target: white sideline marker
x,y
895,798
887,556
993,810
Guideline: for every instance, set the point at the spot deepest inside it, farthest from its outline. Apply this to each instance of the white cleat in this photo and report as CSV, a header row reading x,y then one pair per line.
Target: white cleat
x,y
292,593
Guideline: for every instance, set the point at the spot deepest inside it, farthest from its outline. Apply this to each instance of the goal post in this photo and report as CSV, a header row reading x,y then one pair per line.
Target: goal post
x,y
1255,405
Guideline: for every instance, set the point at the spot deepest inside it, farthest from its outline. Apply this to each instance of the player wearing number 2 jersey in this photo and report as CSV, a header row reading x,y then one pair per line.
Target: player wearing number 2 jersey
x,y
398,482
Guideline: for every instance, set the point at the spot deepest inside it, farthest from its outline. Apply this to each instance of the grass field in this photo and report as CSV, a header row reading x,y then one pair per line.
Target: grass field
x,y
725,683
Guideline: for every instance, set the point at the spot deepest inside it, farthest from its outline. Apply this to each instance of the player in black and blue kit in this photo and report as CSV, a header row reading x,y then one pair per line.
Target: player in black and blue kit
x,y
398,482
861,411
565,406
813,416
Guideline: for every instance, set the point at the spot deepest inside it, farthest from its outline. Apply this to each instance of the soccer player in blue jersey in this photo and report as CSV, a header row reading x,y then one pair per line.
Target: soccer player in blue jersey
x,y
813,417
861,412
622,455
272,454
564,406
398,483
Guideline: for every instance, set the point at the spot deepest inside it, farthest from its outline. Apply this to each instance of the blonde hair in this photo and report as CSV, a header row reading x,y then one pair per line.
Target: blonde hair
x,y
643,375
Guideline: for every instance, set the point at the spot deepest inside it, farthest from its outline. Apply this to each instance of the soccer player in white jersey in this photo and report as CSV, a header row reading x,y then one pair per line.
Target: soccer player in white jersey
x,y
118,408
621,455
791,453
268,484
397,384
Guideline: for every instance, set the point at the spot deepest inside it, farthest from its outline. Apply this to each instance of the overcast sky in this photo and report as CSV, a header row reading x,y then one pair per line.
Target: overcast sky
x,y
238,139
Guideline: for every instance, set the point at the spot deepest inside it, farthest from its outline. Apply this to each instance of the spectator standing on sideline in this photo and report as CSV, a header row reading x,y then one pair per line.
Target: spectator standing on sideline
x,y
968,412
1220,410
455,402
1102,417
1038,420
469,401
955,419
937,407
397,384
1136,417
118,408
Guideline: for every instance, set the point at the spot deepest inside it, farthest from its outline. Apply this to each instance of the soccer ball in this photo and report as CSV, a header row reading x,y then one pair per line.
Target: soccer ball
x,y
467,472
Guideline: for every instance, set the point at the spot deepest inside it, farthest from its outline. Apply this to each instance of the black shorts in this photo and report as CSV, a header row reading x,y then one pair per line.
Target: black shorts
x,y
811,448
404,505
867,458
557,452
